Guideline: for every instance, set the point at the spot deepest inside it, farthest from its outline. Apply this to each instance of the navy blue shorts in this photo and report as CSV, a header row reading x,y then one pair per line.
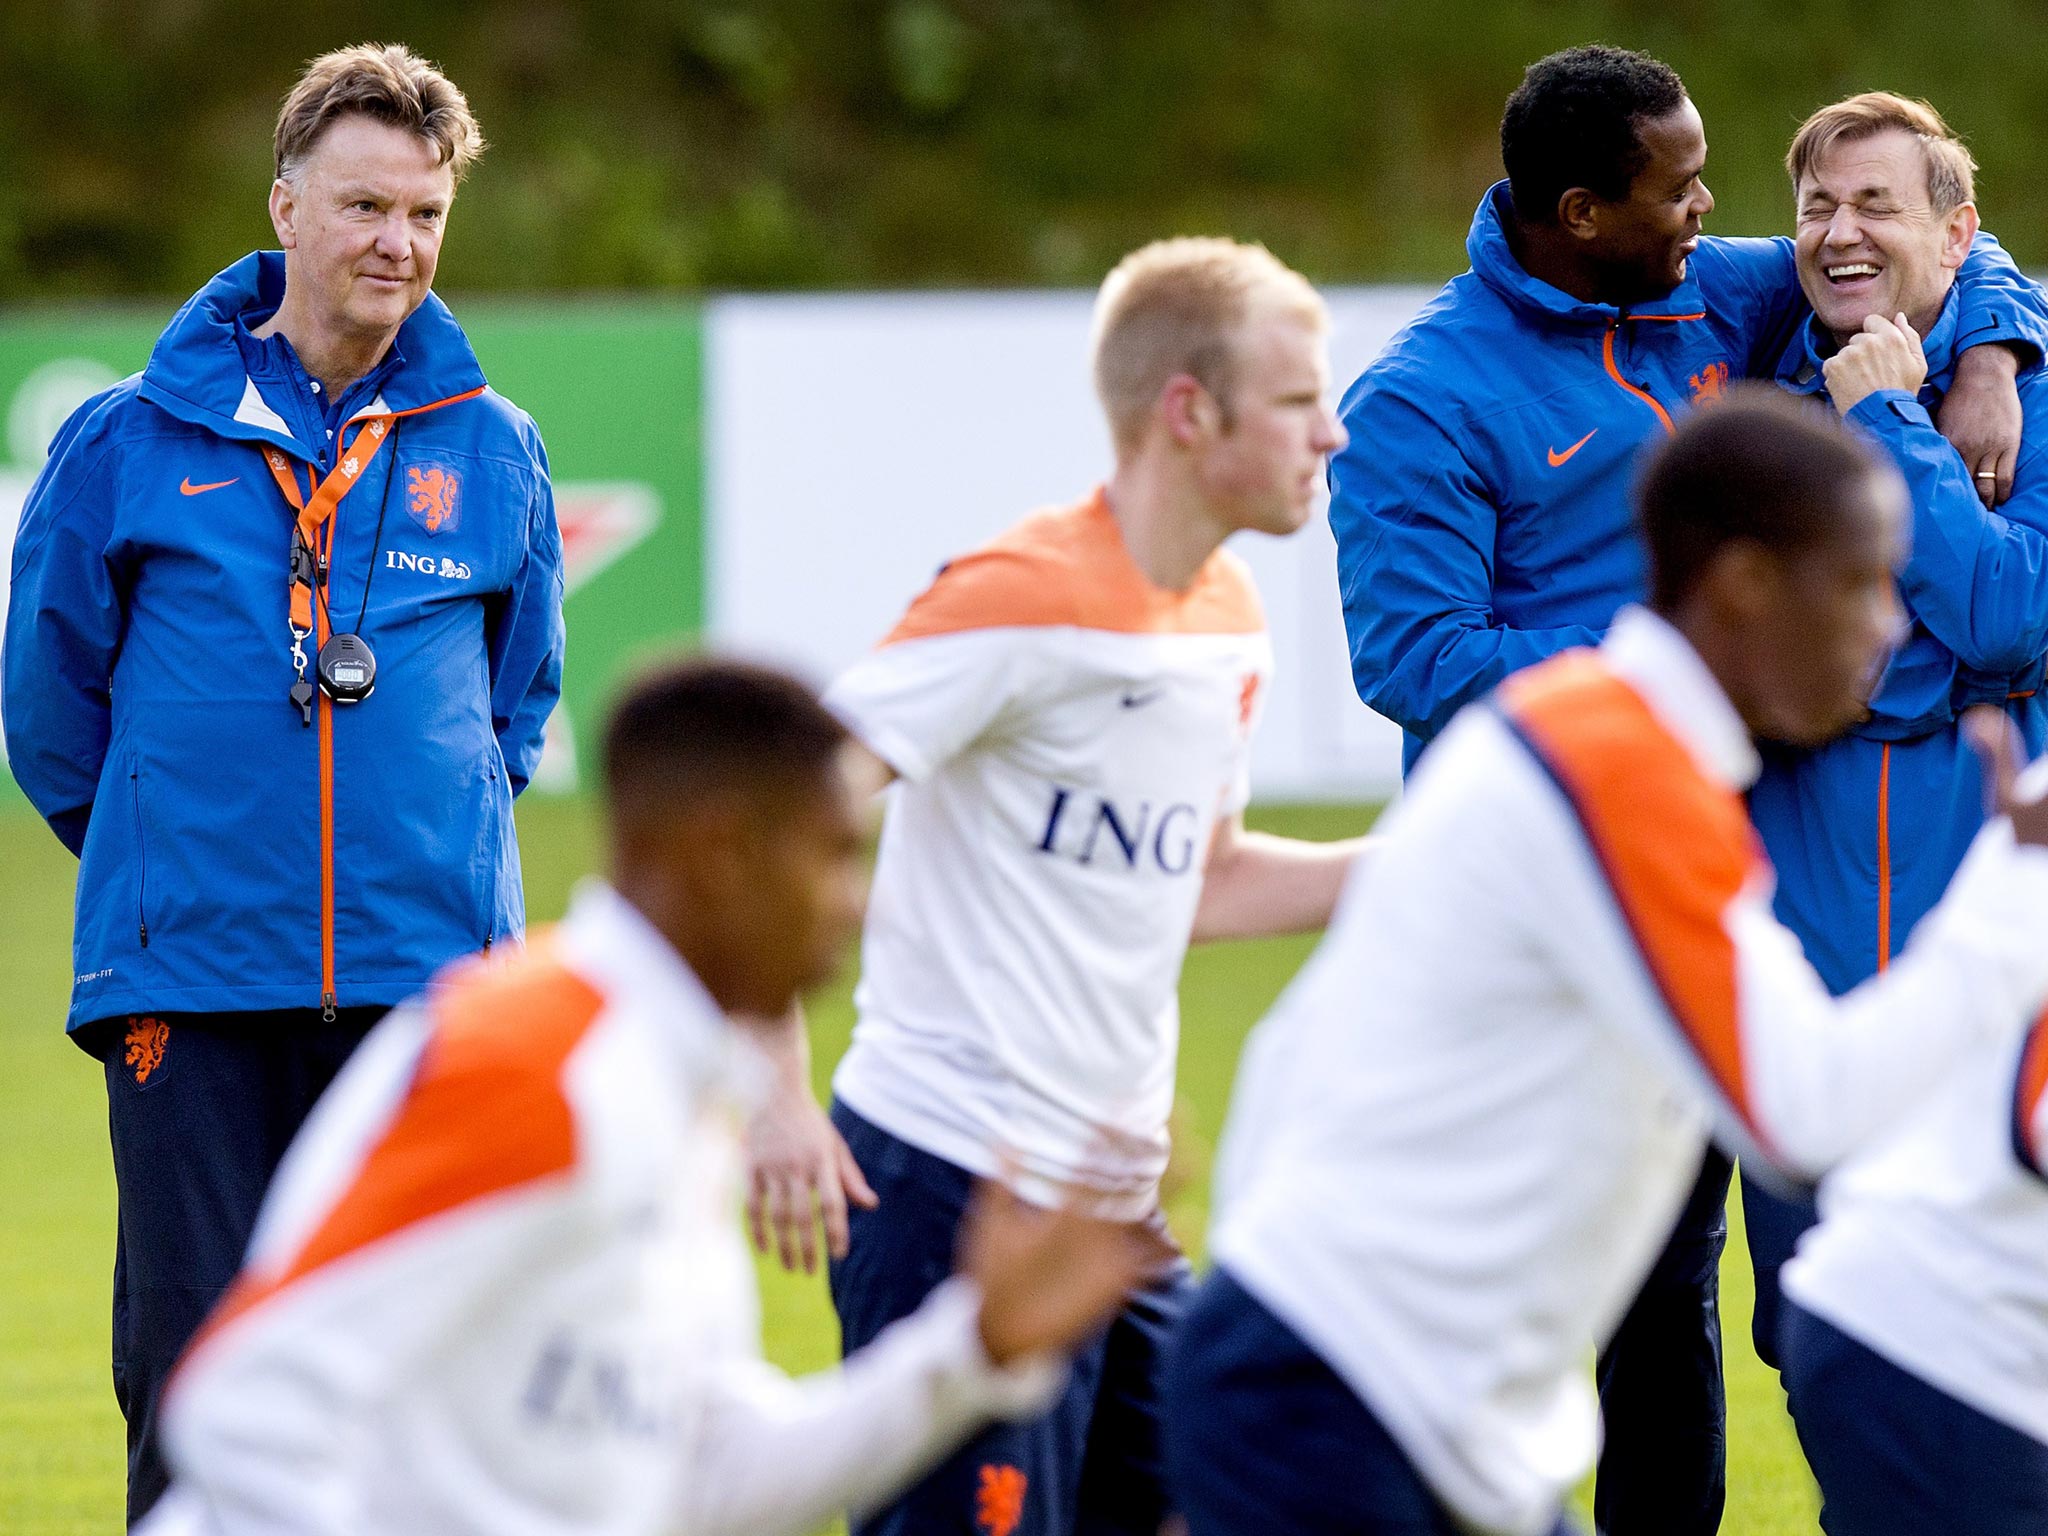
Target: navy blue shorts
x,y
1262,1436
1896,1456
200,1109
1092,1465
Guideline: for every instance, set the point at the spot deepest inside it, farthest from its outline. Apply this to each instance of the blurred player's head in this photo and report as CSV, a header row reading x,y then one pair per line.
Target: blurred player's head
x,y
1886,208
1604,154
1774,534
735,827
1210,356
370,145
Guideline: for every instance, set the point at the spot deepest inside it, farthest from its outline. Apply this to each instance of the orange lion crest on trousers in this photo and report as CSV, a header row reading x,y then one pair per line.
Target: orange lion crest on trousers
x,y
999,1500
146,1041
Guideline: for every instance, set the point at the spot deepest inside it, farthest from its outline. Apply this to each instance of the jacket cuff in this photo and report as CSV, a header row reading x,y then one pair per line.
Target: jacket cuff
x,y
1878,410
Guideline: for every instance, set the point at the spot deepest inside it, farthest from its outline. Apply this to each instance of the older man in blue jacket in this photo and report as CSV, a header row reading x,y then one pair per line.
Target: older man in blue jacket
x,y
1866,833
286,627
1482,522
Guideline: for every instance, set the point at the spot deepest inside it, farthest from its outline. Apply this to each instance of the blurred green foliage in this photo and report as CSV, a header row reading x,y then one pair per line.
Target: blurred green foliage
x,y
824,143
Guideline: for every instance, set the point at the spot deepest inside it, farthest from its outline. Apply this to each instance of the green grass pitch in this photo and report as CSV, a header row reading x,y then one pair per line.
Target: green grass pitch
x,y
60,1436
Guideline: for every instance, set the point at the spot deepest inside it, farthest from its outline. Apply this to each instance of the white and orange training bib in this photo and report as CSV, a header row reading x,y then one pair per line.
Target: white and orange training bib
x,y
1067,735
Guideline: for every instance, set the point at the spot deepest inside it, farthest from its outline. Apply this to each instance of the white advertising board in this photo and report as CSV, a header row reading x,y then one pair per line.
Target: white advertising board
x,y
855,443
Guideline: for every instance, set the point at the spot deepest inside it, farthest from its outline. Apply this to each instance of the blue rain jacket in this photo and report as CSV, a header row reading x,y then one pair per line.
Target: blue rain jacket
x,y
1866,832
1481,508
147,668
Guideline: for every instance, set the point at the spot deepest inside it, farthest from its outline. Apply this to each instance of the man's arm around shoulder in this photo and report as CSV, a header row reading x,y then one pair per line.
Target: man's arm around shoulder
x,y
1977,579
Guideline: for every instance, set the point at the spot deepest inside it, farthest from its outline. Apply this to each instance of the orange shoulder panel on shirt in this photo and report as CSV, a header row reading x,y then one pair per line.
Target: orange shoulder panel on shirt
x,y
1069,566
485,1113
1676,847
2028,1091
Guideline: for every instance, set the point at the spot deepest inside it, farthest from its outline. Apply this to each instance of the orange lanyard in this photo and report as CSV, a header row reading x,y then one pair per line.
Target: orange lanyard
x,y
315,536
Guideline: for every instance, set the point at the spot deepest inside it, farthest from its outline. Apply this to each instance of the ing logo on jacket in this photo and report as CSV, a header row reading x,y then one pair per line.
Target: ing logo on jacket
x,y
1709,384
430,497
426,565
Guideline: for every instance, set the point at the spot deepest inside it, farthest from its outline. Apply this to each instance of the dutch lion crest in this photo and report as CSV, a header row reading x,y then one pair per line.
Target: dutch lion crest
x,y
430,497
147,1040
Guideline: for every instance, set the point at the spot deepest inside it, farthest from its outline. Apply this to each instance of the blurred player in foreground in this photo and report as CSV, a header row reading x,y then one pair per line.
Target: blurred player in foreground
x,y
1866,832
1460,1137
499,1283
1070,710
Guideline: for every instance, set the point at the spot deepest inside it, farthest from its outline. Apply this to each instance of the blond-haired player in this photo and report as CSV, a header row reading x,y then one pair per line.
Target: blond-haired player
x,y
1068,710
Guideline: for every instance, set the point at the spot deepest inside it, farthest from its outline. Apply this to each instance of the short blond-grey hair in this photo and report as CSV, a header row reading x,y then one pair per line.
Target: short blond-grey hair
x,y
1175,306
1951,172
385,81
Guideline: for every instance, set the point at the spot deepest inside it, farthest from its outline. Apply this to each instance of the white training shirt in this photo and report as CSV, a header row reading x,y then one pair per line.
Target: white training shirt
x,y
498,1286
1463,1134
1067,735
1933,1245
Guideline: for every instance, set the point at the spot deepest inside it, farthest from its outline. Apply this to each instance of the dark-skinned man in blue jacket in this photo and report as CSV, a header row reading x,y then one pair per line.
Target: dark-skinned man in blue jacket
x,y
286,627
1866,832
1482,522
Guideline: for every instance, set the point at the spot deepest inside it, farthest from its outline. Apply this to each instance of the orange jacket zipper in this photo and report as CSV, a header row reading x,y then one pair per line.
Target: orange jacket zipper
x,y
323,534
1884,859
321,631
1614,371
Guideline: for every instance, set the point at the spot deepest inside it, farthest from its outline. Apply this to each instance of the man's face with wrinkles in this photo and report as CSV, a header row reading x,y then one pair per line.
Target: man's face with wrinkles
x,y
362,223
1869,241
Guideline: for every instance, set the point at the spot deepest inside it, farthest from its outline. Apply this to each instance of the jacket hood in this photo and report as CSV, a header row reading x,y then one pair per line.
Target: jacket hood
x,y
196,373
1494,262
